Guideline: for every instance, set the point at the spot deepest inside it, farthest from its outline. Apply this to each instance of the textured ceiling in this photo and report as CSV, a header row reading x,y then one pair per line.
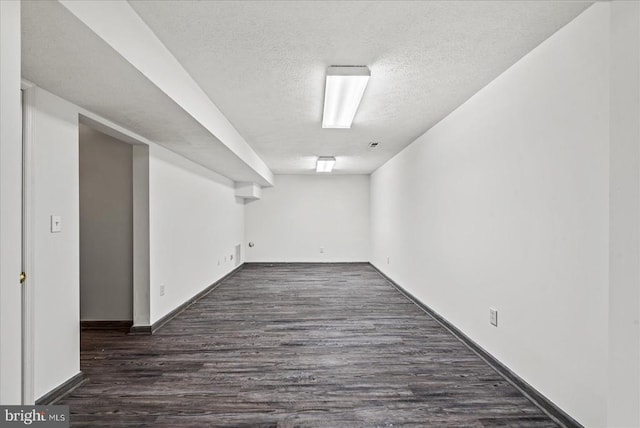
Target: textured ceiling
x,y
263,64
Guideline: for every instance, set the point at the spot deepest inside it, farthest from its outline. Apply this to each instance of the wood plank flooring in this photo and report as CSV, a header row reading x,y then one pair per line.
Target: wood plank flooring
x,y
293,345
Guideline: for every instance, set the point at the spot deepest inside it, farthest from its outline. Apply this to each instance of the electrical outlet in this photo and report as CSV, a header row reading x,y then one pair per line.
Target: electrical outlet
x,y
231,257
218,262
322,249
162,289
387,260
493,317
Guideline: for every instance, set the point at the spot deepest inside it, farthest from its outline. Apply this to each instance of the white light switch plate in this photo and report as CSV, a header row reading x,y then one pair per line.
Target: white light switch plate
x,y
493,317
56,223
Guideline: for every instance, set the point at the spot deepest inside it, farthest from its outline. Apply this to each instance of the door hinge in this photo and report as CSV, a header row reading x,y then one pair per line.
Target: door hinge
x,y
23,277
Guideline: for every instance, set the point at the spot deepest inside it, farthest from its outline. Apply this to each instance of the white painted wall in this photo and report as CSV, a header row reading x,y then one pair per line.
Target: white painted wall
x,y
504,204
53,133
141,241
624,286
10,204
195,221
106,227
302,213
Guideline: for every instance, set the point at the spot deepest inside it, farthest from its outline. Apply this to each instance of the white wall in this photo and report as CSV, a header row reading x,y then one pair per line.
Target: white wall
x,y
141,241
504,204
624,287
303,213
106,227
53,133
10,204
195,222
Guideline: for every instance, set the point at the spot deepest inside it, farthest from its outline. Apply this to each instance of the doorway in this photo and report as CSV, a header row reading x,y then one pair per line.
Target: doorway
x,y
51,192
106,230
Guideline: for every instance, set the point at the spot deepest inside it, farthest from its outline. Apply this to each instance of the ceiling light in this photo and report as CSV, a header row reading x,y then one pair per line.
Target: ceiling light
x,y
325,163
343,91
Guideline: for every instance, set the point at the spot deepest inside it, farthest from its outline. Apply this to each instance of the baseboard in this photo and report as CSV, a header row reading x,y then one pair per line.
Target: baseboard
x,y
106,325
269,264
141,329
151,329
547,406
60,391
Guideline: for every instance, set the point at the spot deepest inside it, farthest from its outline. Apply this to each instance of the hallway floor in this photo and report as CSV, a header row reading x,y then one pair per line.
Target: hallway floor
x,y
313,345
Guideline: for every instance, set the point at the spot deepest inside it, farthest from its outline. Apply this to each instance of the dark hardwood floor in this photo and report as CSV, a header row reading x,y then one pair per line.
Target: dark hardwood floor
x,y
295,345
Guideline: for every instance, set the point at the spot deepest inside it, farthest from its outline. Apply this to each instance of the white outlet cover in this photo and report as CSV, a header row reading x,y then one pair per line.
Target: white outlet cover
x,y
162,290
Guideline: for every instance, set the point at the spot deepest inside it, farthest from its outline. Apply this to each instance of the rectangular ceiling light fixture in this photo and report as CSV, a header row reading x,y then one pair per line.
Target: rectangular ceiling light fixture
x,y
342,94
325,163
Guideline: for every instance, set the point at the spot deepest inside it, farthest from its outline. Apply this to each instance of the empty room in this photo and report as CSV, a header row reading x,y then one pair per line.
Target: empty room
x,y
320,213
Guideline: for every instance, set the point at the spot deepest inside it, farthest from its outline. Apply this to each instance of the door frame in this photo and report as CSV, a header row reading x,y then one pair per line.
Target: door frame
x,y
28,332
141,232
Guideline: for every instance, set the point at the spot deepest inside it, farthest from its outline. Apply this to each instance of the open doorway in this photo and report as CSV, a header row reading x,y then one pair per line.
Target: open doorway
x,y
51,242
106,231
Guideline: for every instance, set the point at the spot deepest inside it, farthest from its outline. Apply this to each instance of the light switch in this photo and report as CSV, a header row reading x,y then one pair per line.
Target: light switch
x,y
56,223
493,317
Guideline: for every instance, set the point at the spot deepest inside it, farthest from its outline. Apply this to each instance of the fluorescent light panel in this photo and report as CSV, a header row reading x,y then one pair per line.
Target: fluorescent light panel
x,y
325,163
342,94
